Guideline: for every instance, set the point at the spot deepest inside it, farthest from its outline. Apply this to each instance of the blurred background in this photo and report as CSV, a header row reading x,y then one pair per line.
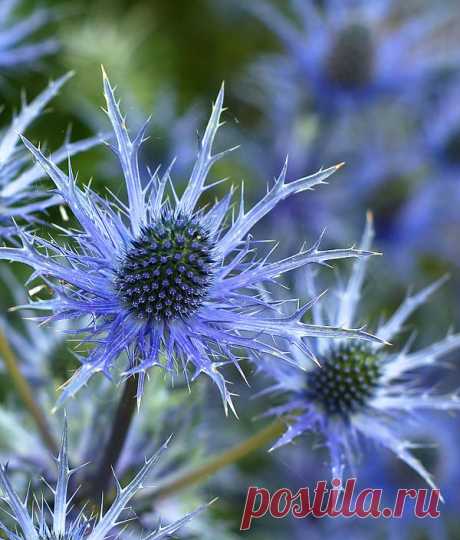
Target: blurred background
x,y
375,84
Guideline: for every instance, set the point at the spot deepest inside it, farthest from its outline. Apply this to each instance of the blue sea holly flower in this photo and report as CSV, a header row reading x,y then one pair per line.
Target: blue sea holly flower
x,y
63,521
428,221
170,283
19,196
441,132
17,48
362,391
351,51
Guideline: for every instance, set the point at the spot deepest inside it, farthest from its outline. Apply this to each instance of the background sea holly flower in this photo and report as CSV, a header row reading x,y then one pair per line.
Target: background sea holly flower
x,y
64,520
440,133
370,121
435,442
428,221
19,196
170,283
362,391
18,50
349,52
380,159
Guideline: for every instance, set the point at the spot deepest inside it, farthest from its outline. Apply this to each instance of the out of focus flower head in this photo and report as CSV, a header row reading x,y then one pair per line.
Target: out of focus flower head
x,y
365,44
440,131
63,520
18,49
375,146
435,442
362,392
159,274
428,222
349,52
19,197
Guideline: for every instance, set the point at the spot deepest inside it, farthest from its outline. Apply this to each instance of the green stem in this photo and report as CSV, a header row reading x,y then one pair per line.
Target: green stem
x,y
26,394
116,440
199,474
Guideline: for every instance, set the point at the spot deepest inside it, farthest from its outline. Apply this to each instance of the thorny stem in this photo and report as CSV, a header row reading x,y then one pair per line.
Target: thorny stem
x,y
199,474
116,441
26,394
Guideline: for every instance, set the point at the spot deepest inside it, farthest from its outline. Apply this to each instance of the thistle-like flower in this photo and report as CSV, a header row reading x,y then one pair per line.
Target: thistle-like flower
x,y
341,61
18,196
351,51
429,220
362,391
167,282
63,521
17,50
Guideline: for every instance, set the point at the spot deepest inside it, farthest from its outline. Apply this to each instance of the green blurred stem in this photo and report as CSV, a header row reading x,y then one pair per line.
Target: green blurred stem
x,y
199,474
26,394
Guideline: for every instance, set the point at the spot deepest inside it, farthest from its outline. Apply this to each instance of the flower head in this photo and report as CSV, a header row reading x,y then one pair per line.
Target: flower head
x,y
441,131
19,198
65,522
363,391
351,51
17,51
428,221
162,279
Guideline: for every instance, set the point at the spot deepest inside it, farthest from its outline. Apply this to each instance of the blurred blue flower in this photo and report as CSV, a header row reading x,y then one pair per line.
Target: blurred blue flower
x,y
344,90
362,392
435,442
69,523
18,50
441,131
428,222
166,282
19,197
347,53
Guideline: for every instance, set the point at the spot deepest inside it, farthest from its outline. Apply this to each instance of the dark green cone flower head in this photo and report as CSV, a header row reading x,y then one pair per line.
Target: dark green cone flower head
x,y
362,393
351,58
166,279
347,379
167,271
452,148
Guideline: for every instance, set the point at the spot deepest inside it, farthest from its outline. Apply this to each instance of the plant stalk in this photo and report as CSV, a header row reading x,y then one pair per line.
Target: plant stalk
x,y
116,441
26,394
199,474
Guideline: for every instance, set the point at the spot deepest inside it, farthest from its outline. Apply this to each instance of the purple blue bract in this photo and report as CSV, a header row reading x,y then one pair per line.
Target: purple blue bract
x,y
361,392
229,318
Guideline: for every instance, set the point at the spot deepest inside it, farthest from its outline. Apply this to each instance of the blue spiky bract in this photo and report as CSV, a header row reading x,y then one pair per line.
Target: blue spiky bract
x,y
362,391
63,523
161,279
19,196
